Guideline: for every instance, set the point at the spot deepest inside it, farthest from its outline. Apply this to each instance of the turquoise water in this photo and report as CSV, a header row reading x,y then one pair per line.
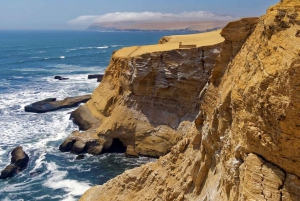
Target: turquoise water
x,y
28,62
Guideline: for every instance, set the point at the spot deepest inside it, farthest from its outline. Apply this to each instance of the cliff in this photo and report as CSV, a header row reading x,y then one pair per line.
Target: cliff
x,y
244,143
148,98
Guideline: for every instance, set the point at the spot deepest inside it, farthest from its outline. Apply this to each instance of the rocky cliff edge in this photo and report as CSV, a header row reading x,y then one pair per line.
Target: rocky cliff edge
x,y
148,98
244,143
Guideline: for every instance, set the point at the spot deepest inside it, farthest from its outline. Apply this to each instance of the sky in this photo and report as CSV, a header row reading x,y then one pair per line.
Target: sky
x,y
79,14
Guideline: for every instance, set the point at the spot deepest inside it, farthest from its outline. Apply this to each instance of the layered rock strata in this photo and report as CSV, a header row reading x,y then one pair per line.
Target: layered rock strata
x,y
148,98
245,142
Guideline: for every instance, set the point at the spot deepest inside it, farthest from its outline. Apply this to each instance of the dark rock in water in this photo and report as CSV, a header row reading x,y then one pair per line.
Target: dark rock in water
x,y
19,161
9,171
64,78
82,142
58,77
51,104
83,118
19,157
96,76
80,157
99,79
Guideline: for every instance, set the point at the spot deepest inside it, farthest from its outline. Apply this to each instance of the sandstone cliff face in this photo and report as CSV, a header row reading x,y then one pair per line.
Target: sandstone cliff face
x,y
245,141
147,99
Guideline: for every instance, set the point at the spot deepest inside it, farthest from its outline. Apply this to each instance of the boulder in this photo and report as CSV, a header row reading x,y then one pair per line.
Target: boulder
x,y
19,157
83,142
83,118
19,161
58,77
78,147
51,104
9,171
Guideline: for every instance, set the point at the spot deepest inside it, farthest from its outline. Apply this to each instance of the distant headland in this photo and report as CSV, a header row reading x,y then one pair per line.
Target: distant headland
x,y
192,26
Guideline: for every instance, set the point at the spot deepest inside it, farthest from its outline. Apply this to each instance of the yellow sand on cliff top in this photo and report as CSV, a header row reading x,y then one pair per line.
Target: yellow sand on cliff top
x,y
201,39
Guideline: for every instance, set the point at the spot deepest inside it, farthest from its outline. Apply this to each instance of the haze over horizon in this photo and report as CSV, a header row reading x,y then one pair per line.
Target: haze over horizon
x,y
78,15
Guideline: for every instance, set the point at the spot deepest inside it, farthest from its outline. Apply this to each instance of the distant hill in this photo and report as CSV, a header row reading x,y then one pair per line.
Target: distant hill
x,y
194,26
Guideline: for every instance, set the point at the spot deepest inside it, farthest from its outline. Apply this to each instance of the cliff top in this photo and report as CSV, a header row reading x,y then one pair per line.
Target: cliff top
x,y
172,42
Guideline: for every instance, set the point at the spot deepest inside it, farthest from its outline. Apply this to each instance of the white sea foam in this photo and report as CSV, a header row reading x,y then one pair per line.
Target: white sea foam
x,y
102,47
88,48
57,181
62,57
116,45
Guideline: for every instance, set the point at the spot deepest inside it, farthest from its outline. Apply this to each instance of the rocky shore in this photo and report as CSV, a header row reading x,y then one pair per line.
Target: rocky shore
x,y
223,117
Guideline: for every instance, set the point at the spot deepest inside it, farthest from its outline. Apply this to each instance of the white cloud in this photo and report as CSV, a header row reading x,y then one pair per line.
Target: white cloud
x,y
148,17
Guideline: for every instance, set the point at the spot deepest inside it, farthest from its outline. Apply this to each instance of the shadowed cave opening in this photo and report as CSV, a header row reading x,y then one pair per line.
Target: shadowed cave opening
x,y
116,147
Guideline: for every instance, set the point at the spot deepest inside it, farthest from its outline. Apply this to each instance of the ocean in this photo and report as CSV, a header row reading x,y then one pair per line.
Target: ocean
x,y
29,60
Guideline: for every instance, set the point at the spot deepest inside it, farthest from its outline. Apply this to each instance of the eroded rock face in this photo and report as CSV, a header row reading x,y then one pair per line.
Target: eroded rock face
x,y
146,100
244,144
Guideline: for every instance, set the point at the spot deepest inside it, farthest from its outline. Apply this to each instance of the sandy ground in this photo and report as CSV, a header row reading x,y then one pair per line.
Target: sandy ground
x,y
201,39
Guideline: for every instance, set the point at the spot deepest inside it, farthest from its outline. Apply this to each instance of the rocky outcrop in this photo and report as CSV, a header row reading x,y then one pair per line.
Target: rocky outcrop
x,y
244,143
19,161
51,104
147,99
99,77
58,77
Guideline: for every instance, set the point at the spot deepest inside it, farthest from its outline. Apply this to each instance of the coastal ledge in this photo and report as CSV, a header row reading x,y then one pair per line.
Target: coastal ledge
x,y
148,98
169,43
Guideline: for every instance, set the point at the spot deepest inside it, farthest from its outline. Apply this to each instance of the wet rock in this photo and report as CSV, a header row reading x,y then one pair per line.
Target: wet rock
x,y
19,161
64,78
96,76
83,142
80,157
58,77
9,171
51,104
19,157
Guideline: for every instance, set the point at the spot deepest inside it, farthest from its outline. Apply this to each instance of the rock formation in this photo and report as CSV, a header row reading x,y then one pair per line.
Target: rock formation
x,y
51,104
19,161
148,98
244,143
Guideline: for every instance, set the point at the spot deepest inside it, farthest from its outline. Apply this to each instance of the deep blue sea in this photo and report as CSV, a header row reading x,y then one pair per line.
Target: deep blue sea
x,y
28,62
